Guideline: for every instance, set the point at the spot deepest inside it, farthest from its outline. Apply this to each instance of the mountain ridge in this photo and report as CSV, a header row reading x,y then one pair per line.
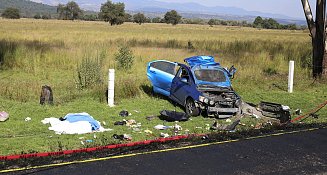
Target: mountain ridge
x,y
141,5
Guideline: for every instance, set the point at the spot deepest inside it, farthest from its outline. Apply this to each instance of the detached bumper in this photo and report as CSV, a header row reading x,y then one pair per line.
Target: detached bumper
x,y
222,110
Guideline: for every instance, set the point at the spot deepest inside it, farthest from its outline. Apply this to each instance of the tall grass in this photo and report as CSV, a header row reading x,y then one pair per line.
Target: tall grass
x,y
52,50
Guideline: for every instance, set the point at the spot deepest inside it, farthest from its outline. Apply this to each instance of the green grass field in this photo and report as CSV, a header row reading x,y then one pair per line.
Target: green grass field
x,y
39,52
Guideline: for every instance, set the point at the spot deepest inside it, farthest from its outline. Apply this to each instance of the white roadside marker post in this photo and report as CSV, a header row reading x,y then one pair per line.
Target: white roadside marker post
x,y
290,76
111,87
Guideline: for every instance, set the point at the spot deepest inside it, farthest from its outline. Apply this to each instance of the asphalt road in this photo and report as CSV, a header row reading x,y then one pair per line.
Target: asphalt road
x,y
299,153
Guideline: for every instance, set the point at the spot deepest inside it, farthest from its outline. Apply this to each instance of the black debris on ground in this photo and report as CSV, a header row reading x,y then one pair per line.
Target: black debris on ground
x,y
209,138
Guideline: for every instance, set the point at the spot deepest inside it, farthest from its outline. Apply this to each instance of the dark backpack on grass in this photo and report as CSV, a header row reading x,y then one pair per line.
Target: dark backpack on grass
x,y
46,95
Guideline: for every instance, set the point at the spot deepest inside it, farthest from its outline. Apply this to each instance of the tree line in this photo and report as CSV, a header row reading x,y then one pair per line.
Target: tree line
x,y
115,14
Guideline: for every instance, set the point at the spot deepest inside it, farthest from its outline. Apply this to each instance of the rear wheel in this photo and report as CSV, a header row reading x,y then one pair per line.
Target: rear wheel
x,y
190,108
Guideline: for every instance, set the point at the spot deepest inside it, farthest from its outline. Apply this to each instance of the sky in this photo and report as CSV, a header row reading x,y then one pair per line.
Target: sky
x,y
292,8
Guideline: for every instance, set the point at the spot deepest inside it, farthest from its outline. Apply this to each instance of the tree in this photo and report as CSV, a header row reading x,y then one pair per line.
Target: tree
x,y
172,17
317,30
61,9
212,22
258,22
139,18
128,17
37,16
114,13
156,20
73,10
70,11
11,13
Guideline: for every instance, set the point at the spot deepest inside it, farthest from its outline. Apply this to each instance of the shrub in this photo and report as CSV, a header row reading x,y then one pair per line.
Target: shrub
x,y
89,73
124,58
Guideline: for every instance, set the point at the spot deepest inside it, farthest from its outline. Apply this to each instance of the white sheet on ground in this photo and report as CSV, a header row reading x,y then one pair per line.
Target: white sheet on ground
x,y
65,127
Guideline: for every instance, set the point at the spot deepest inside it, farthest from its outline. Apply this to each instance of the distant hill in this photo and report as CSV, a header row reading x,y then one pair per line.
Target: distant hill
x,y
188,10
28,8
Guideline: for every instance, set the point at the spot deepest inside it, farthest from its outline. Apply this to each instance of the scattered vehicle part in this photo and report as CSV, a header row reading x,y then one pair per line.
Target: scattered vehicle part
x,y
223,127
124,113
171,116
120,123
298,112
275,110
3,116
200,86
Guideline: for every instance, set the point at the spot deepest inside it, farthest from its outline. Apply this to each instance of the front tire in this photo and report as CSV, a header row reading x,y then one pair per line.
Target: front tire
x,y
191,109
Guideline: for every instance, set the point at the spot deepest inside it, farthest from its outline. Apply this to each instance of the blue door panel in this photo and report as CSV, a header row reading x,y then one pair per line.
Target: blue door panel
x,y
161,80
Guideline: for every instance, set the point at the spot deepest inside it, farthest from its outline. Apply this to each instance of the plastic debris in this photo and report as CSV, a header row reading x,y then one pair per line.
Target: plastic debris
x,y
27,119
3,116
122,137
88,141
148,131
204,137
136,129
130,122
177,127
228,120
162,127
104,123
164,135
136,111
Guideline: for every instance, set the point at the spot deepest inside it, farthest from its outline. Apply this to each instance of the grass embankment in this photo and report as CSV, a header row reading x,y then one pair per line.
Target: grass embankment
x,y
37,52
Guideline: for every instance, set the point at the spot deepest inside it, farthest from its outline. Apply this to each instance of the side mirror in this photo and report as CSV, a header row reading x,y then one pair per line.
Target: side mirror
x,y
231,72
184,80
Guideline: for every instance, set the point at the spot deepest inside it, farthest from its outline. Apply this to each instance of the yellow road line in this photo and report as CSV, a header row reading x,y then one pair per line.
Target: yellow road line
x,y
152,152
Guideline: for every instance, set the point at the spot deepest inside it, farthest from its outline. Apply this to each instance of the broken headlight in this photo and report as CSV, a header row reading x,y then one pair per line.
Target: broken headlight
x,y
203,99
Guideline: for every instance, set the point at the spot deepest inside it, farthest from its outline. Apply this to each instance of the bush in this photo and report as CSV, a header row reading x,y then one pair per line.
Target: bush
x,y
89,73
124,58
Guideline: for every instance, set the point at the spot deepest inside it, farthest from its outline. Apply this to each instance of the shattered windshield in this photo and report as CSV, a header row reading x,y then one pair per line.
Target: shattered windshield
x,y
210,75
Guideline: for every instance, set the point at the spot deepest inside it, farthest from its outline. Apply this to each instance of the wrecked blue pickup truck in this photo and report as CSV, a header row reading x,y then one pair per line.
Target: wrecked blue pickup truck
x,y
201,86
